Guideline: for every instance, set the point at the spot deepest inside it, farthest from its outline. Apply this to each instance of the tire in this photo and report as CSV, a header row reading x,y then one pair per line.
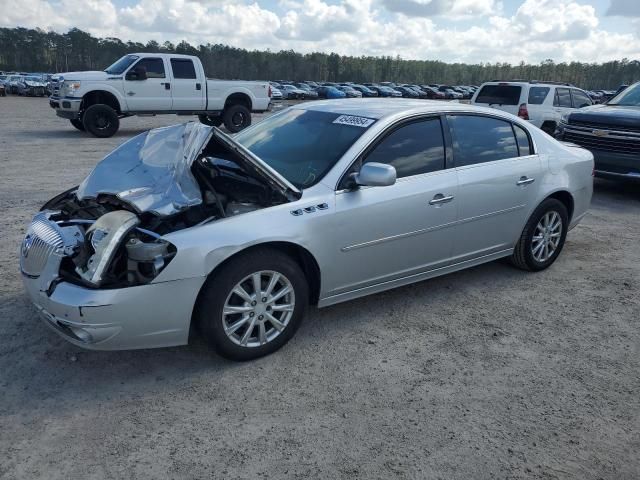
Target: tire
x,y
78,124
548,128
210,120
523,255
101,121
219,291
236,117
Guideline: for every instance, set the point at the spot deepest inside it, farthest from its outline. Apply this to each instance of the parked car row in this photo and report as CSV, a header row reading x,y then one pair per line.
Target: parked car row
x,y
309,90
27,84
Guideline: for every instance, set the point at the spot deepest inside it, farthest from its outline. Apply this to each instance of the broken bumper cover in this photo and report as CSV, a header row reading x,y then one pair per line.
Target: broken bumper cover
x,y
66,107
145,316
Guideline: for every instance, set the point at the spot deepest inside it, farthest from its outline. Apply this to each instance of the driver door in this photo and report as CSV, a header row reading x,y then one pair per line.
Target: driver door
x,y
386,233
149,94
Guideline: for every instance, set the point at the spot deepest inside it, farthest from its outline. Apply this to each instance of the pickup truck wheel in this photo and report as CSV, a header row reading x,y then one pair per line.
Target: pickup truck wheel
x,y
236,118
101,121
78,124
210,120
253,305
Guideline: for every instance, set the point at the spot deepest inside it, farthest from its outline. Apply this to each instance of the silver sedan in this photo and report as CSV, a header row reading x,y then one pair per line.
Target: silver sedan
x,y
324,202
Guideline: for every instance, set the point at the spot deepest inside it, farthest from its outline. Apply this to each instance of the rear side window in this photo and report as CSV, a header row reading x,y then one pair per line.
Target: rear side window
x,y
537,95
479,139
580,99
183,68
153,66
499,94
412,149
563,98
524,144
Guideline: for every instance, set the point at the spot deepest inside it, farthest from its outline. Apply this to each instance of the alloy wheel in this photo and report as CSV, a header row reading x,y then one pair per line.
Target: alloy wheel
x,y
546,236
258,309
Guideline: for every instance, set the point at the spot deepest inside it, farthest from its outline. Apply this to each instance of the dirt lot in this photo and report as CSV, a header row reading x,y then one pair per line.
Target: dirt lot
x,y
488,373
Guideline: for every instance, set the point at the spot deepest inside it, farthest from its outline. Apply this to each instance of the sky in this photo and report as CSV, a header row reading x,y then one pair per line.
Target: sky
x,y
470,31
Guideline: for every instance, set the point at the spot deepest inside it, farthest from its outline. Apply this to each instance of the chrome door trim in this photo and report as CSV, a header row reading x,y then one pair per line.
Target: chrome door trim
x,y
427,230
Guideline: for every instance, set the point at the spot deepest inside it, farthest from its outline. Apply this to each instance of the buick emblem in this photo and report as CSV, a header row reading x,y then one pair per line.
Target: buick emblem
x,y
600,133
26,245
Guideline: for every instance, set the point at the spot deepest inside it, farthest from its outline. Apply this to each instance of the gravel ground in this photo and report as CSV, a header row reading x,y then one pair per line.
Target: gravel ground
x,y
483,374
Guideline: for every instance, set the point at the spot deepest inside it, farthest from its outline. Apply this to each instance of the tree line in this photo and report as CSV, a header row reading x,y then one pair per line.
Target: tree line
x,y
35,50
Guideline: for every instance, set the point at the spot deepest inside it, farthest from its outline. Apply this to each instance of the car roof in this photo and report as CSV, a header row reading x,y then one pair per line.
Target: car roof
x,y
380,108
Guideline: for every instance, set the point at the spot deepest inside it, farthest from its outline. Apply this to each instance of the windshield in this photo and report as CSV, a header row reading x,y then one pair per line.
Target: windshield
x,y
121,65
33,79
629,97
303,145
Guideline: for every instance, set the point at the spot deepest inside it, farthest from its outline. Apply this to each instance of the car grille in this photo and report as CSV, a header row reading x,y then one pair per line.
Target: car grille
x,y
41,241
609,142
595,126
38,91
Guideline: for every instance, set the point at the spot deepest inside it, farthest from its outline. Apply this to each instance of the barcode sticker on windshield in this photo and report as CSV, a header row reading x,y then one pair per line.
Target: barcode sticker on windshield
x,y
354,121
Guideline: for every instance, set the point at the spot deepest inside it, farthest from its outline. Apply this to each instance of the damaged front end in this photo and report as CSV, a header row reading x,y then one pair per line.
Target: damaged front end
x,y
108,232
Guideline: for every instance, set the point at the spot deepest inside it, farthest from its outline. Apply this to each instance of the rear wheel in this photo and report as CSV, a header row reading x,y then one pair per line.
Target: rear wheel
x,y
543,237
212,121
78,124
253,305
101,121
236,117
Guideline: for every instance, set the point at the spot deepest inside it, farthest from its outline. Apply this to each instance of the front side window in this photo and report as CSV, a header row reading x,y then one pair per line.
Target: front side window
x,y
412,149
580,99
183,68
479,139
153,66
303,145
563,98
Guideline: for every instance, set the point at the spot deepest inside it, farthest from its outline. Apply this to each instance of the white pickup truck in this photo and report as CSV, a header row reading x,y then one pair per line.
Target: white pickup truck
x,y
154,84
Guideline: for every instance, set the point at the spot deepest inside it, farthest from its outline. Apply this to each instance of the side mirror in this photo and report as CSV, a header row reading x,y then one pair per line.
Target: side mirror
x,y
137,73
375,175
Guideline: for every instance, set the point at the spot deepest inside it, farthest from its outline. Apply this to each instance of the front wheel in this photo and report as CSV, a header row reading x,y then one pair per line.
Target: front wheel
x,y
210,120
78,124
101,121
236,118
253,305
543,237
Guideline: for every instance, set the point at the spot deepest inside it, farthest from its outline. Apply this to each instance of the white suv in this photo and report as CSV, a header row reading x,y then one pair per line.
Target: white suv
x,y
542,103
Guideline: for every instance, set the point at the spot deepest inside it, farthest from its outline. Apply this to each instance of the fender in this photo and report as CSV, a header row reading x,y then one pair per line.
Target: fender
x,y
104,87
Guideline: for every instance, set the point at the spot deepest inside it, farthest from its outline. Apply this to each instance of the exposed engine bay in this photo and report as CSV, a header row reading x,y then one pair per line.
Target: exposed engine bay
x,y
112,241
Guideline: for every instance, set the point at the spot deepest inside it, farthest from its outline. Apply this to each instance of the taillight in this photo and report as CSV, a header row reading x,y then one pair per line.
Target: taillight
x,y
269,91
523,113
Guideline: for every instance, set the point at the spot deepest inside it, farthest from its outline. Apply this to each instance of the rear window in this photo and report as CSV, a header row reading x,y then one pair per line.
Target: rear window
x,y
499,94
537,95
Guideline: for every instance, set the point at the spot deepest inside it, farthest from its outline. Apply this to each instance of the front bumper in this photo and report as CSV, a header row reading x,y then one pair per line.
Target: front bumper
x,y
145,316
66,107
611,164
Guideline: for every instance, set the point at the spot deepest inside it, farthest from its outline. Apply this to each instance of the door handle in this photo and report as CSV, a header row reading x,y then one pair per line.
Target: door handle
x,y
198,86
440,198
167,85
525,181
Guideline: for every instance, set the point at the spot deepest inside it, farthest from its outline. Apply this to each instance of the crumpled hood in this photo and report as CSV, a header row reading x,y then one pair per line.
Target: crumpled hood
x,y
152,171
31,83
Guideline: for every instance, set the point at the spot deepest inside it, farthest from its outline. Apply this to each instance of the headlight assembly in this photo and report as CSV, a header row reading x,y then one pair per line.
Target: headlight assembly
x,y
71,88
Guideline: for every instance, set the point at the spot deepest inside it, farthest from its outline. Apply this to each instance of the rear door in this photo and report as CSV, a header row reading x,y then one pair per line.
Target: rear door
x,y
152,93
498,175
502,96
561,103
188,91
